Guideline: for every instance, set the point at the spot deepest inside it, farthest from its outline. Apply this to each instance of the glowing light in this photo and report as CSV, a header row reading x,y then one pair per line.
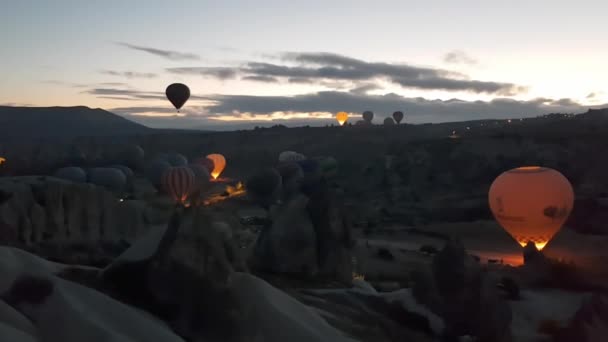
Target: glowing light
x,y
2,160
539,245
509,121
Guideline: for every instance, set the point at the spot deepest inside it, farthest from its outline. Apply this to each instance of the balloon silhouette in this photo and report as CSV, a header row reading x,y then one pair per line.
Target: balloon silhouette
x,y
531,203
342,117
179,182
219,163
178,94
206,163
389,122
368,116
398,116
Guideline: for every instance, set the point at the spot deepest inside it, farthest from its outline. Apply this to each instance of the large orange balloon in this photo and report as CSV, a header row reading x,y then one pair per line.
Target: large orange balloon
x,y
342,117
219,163
531,203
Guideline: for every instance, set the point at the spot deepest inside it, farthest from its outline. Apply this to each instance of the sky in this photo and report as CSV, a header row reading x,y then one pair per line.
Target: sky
x,y
251,63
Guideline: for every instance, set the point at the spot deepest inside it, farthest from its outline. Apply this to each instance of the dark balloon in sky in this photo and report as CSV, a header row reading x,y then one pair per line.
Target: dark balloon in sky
x,y
398,116
178,94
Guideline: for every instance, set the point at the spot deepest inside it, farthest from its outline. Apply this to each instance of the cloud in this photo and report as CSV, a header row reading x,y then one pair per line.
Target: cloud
x,y
111,84
221,73
459,57
168,54
242,111
364,88
268,79
129,74
419,109
64,83
134,95
591,96
319,68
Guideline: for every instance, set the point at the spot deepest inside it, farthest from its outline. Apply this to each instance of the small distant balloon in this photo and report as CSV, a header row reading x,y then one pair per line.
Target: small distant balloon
x,y
219,163
368,116
178,94
389,122
398,116
342,117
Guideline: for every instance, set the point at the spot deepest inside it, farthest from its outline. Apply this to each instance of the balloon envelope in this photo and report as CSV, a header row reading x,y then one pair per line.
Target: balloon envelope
x,y
290,156
72,173
176,159
206,163
342,117
111,178
368,116
179,182
389,122
178,94
219,163
531,203
398,116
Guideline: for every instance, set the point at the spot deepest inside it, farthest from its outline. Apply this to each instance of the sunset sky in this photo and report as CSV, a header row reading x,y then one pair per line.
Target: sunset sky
x,y
299,62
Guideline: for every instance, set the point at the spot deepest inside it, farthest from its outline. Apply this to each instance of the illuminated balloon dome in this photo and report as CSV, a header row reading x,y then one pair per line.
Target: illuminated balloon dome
x,y
219,163
531,203
342,117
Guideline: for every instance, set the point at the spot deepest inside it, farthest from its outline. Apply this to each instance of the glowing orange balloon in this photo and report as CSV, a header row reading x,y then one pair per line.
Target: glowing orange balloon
x,y
342,117
531,203
219,163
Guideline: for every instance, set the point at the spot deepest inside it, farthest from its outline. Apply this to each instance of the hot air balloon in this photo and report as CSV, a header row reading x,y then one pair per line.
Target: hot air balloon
x,y
206,163
133,156
389,122
201,174
124,169
179,182
398,116
178,94
71,173
531,203
155,171
2,160
368,116
290,156
264,187
342,117
110,178
219,163
176,159
328,166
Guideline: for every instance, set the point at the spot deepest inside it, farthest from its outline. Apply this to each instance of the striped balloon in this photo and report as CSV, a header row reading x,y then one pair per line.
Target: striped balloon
x,y
179,182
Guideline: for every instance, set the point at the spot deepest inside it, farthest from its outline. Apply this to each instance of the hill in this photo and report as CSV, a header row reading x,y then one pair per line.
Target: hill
x,y
63,123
